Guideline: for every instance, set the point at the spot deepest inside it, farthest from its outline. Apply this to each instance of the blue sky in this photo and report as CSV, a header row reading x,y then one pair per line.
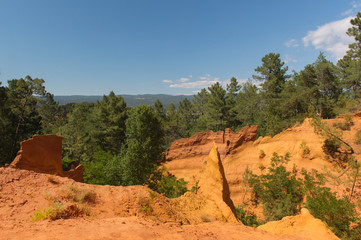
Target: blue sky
x,y
163,46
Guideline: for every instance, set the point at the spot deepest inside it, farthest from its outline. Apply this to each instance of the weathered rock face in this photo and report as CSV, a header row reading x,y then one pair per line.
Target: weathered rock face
x,y
214,186
304,226
200,143
42,153
186,157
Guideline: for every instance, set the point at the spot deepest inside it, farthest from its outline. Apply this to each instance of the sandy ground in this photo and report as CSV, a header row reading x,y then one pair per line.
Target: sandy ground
x,y
128,228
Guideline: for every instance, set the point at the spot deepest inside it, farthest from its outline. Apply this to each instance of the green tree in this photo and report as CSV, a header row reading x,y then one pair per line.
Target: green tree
x,y
171,128
48,110
272,74
199,102
78,134
248,107
23,97
216,111
6,131
233,89
185,118
110,117
144,140
328,86
279,191
159,109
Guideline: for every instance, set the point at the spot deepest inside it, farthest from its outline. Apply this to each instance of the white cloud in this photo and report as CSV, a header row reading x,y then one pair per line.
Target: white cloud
x,y
167,81
347,12
196,84
292,43
204,81
289,59
356,5
331,37
183,80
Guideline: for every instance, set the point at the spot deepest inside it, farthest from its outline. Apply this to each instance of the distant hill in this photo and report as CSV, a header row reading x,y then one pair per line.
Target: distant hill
x,y
131,100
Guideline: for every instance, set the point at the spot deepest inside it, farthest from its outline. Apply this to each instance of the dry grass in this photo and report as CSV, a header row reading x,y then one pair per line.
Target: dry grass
x,y
78,194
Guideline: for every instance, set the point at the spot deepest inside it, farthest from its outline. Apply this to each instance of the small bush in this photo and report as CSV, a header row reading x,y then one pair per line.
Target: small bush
x,y
163,182
346,124
53,212
331,147
57,210
261,154
246,217
280,192
205,218
358,137
145,205
305,150
337,213
79,195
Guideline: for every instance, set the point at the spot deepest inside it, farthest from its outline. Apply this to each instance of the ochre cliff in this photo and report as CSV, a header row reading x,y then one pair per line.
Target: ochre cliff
x,y
42,153
187,156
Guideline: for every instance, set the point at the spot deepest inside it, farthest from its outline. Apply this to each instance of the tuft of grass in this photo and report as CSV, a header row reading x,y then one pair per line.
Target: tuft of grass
x,y
205,218
262,154
145,205
358,137
57,210
79,195
53,212
52,180
305,149
346,124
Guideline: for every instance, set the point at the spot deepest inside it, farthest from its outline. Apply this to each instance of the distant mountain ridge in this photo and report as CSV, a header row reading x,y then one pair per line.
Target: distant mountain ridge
x,y
131,100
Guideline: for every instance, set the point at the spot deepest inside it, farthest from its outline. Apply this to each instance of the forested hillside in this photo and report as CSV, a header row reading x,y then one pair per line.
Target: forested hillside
x,y
131,100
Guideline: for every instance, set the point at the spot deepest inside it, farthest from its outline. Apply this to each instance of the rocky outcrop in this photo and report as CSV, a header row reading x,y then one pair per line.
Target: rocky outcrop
x,y
186,157
304,226
199,144
214,186
42,153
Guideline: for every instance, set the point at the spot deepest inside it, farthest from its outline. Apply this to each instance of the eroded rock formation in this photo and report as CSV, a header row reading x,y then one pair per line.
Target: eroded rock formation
x,y
304,225
42,153
199,144
186,157
214,186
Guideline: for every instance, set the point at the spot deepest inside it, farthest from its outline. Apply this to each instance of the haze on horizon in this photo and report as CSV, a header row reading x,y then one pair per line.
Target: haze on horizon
x,y
163,47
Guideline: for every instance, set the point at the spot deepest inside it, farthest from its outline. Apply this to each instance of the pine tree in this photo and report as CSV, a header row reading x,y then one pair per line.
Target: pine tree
x,y
273,76
110,115
231,99
144,145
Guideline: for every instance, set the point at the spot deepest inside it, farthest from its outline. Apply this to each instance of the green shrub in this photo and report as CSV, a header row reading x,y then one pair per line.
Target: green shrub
x,y
246,217
172,187
358,137
337,213
279,191
346,124
262,154
305,150
146,205
53,212
162,181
